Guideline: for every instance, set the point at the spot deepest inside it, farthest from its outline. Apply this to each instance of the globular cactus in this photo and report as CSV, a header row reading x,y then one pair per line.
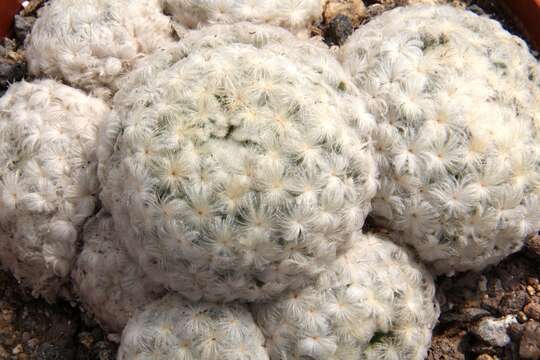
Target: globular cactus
x,y
235,163
90,44
172,328
375,302
457,103
107,282
48,179
294,15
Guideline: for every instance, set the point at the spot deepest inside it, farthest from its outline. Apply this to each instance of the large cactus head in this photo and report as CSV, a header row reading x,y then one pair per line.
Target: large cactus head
x,y
457,103
236,163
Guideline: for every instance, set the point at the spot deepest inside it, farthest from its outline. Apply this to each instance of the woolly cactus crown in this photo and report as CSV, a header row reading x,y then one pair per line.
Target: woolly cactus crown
x,y
48,179
91,43
375,302
172,328
236,164
108,283
457,104
294,15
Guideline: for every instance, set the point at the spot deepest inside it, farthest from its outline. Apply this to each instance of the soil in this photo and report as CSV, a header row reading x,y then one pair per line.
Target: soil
x,y
33,329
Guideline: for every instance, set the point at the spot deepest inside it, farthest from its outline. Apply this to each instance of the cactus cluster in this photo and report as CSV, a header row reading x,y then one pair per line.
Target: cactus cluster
x,y
243,182
217,206
48,179
457,102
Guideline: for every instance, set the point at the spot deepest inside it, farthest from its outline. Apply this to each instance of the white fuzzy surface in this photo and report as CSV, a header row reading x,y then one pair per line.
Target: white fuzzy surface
x,y
48,179
110,285
237,163
457,103
376,302
294,15
91,44
172,328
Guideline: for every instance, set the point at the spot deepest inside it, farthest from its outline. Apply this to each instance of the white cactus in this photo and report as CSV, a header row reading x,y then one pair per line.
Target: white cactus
x,y
90,44
375,302
236,163
48,179
172,328
294,15
108,283
457,103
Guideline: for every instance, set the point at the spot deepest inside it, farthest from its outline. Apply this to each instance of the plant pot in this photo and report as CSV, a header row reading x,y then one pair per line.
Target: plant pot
x,y
8,10
527,15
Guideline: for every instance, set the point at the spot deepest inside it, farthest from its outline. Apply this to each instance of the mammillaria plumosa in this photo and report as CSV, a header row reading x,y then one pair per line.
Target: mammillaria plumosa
x,y
235,164
294,15
172,328
90,44
109,284
457,103
48,179
375,302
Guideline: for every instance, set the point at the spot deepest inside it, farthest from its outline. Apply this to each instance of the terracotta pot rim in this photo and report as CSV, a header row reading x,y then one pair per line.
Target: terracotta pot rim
x,y
526,13
8,10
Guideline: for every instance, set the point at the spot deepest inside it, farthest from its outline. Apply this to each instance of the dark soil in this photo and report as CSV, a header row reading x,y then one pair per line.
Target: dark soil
x,y
32,329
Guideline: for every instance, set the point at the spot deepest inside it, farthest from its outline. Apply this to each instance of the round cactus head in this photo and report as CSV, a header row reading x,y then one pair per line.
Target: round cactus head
x,y
90,44
457,102
48,179
172,328
237,163
108,283
375,302
294,15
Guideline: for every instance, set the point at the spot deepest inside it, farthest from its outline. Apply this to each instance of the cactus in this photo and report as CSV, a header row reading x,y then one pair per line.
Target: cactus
x,y
457,100
235,164
294,15
172,328
90,44
108,283
48,179
375,302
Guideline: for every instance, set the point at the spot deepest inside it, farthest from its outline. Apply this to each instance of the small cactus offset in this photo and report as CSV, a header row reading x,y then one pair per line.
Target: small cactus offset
x,y
294,15
108,283
90,44
48,179
236,163
375,302
172,328
457,103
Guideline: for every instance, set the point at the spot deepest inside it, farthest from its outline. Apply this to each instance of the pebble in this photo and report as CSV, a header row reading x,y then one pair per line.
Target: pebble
x,y
522,317
529,347
532,310
493,330
484,357
533,246
339,29
17,349
530,290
